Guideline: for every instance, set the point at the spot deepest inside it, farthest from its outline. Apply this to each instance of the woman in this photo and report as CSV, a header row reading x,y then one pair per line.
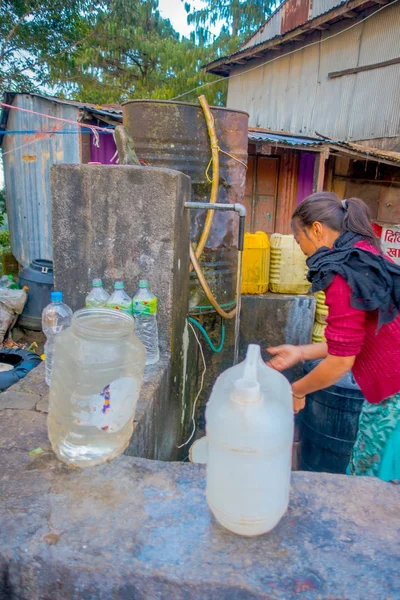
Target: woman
x,y
362,289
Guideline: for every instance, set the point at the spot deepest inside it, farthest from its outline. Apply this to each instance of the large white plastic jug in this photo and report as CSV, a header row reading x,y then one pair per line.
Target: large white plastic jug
x,y
249,424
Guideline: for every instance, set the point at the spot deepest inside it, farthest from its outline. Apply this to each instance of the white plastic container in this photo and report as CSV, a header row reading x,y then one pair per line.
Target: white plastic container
x,y
249,424
96,381
97,297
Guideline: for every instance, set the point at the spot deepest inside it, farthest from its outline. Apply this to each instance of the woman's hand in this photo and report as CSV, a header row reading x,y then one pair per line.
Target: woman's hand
x,y
285,357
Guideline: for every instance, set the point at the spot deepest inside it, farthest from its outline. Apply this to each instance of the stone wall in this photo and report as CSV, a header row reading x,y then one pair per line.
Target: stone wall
x,y
129,223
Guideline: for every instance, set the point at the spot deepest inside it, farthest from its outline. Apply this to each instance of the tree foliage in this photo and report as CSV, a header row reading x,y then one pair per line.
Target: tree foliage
x,y
133,53
101,51
35,32
238,19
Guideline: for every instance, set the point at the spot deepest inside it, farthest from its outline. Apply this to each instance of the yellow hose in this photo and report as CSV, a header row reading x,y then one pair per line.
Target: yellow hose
x,y
215,176
195,255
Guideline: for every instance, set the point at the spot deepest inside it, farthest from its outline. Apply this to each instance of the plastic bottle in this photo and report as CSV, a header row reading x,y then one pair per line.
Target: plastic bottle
x,y
7,281
98,297
145,313
4,282
119,299
249,424
56,317
95,387
12,285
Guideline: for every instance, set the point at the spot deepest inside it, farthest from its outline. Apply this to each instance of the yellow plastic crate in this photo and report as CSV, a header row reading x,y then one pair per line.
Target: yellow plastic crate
x,y
256,255
288,272
321,311
318,333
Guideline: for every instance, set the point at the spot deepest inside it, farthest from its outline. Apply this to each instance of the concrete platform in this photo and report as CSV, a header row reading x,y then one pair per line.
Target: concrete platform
x,y
140,529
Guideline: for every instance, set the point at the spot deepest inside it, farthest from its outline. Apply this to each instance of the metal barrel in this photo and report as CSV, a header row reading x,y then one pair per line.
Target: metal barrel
x,y
174,135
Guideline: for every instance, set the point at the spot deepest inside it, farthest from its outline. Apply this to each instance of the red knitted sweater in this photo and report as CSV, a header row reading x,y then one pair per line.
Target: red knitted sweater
x,y
352,332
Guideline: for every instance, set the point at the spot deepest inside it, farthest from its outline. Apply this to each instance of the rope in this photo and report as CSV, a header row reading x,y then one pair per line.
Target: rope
x,y
70,121
227,154
199,392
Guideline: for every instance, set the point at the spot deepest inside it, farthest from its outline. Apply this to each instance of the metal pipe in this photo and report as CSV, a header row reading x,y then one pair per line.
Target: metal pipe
x,y
241,210
237,207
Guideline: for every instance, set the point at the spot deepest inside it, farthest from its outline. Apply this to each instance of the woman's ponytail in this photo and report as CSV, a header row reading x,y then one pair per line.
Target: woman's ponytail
x,y
340,215
357,219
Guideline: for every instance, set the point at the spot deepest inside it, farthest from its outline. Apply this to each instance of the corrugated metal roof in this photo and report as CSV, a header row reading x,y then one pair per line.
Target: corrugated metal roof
x,y
320,7
295,13
282,26
283,138
108,111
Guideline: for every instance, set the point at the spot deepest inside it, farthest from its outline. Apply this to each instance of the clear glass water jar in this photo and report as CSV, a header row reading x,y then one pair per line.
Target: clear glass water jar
x,y
97,376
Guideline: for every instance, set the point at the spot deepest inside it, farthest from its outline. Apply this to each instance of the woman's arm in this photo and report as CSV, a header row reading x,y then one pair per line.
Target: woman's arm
x,y
345,336
327,373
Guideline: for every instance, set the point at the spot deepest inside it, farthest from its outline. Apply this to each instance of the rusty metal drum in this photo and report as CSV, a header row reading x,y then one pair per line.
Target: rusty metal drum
x,y
174,135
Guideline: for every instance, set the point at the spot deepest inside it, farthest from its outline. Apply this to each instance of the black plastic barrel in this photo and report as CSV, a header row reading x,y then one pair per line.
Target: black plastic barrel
x,y
174,135
328,425
38,277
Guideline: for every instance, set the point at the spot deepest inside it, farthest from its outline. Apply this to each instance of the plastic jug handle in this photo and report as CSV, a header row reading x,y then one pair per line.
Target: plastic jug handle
x,y
252,359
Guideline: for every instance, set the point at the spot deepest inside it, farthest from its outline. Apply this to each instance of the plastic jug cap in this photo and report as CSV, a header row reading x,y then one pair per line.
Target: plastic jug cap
x,y
56,296
119,285
143,283
97,283
10,277
246,391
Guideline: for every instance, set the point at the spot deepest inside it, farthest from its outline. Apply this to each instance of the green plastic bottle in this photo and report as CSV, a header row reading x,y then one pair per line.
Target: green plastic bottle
x,y
12,285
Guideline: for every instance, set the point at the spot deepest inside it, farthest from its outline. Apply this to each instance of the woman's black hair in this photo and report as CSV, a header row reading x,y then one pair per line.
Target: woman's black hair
x,y
351,214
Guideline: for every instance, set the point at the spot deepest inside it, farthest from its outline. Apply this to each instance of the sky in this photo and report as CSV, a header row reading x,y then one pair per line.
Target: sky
x,y
174,10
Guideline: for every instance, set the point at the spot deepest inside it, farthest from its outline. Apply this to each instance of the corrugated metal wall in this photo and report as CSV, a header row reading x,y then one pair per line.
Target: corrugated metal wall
x,y
27,173
294,93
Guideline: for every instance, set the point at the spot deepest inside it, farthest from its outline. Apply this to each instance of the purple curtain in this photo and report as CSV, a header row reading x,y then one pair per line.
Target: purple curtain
x,y
105,152
306,175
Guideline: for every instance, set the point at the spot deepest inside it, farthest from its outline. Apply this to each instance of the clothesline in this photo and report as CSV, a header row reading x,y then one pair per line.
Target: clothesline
x,y
56,132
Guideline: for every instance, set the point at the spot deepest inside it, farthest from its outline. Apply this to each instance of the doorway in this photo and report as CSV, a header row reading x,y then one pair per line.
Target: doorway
x,y
261,193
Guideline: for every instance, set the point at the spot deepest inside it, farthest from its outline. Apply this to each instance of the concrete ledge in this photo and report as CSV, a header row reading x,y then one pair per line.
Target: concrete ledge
x,y
155,432
141,529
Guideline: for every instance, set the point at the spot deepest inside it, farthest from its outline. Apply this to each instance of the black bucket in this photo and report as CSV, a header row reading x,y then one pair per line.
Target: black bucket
x,y
38,277
328,425
174,135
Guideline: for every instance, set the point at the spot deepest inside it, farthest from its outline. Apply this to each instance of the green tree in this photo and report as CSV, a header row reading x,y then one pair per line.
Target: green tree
x,y
133,53
35,33
238,19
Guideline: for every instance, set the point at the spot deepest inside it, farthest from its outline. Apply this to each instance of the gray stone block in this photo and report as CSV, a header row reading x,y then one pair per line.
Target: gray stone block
x,y
140,529
129,223
122,222
18,400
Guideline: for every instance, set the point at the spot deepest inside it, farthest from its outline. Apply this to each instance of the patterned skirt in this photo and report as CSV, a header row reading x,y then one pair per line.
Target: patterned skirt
x,y
376,451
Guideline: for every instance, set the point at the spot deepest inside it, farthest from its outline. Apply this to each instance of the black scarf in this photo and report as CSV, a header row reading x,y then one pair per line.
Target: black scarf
x,y
374,281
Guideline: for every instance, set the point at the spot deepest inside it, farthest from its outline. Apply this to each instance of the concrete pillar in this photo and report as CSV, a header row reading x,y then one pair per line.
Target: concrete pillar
x,y
128,223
